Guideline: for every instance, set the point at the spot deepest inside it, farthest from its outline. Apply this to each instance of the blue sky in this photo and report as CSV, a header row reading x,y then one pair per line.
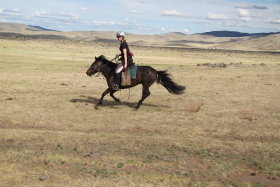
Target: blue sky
x,y
145,16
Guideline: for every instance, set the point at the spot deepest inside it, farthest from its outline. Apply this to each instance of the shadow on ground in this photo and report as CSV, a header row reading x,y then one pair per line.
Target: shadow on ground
x,y
110,103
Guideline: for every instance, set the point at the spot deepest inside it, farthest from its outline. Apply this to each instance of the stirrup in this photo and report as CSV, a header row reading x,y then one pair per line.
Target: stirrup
x,y
115,87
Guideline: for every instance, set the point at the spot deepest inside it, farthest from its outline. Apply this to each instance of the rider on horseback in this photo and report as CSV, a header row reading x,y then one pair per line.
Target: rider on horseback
x,y
126,59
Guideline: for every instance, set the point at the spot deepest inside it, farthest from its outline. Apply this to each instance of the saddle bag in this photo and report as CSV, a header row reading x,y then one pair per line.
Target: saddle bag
x,y
126,80
130,53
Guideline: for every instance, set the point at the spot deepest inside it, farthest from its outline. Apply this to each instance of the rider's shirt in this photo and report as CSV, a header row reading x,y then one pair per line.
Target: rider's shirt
x,y
124,45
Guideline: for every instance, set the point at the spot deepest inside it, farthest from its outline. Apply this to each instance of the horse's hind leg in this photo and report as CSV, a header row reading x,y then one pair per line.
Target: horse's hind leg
x,y
112,95
145,94
149,78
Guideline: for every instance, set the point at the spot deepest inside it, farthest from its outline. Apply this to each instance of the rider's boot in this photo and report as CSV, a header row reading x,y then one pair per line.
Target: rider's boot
x,y
117,81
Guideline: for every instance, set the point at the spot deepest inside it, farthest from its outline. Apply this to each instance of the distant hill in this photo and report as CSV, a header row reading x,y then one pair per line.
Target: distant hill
x,y
41,28
174,34
21,29
235,34
266,43
210,40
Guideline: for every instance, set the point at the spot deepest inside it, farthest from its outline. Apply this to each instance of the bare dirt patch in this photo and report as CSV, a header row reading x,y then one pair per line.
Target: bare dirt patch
x,y
193,106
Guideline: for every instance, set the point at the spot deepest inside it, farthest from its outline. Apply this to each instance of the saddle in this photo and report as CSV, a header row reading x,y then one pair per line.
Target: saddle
x,y
128,75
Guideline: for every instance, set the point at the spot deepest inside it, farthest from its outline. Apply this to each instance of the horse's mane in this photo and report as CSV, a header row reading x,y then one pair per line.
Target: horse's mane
x,y
104,60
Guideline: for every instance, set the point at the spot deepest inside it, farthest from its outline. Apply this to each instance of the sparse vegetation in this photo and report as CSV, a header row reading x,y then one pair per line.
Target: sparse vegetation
x,y
224,131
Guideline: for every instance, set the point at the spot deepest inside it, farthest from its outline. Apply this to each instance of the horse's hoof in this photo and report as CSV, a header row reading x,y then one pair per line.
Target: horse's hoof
x,y
100,102
135,108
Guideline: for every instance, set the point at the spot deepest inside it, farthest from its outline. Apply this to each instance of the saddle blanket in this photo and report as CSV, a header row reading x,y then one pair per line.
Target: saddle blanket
x,y
133,71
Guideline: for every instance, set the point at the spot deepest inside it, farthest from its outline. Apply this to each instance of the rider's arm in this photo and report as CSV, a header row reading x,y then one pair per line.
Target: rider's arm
x,y
125,58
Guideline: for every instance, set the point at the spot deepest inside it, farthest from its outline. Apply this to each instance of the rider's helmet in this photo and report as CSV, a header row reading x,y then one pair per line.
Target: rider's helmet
x,y
121,34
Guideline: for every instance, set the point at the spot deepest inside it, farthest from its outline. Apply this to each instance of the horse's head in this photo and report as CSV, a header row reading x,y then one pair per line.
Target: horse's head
x,y
95,67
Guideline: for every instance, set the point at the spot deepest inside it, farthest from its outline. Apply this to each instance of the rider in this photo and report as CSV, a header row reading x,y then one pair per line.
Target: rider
x,y
126,59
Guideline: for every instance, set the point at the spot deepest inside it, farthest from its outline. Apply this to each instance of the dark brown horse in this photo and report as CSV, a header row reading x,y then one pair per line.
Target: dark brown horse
x,y
145,75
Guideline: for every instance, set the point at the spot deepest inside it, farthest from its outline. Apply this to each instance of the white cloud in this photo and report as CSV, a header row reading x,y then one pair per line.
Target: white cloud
x,y
242,12
245,19
212,16
132,11
58,18
215,2
39,14
10,12
16,10
185,31
251,6
108,23
84,9
174,13
143,1
274,20
229,24
257,15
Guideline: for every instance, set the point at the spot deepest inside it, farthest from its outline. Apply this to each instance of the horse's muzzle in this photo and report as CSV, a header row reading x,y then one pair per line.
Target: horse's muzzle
x,y
88,73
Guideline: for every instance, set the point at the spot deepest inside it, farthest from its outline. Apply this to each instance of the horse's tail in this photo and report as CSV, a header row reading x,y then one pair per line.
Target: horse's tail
x,y
164,79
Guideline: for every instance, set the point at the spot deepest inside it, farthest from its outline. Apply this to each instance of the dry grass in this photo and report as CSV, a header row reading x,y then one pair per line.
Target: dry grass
x,y
224,131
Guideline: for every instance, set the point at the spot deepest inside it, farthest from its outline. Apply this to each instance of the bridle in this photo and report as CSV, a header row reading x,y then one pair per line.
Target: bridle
x,y
102,66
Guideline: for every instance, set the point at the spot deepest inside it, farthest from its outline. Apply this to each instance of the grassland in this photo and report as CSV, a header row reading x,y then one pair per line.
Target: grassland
x,y
224,131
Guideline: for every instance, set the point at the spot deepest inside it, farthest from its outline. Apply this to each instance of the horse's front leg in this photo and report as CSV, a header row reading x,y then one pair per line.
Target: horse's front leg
x,y
112,95
103,95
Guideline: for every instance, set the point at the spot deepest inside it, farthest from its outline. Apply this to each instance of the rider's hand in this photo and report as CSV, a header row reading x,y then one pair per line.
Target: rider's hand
x,y
125,66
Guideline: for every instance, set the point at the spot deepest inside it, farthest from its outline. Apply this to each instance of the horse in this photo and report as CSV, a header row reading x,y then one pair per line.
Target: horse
x,y
145,75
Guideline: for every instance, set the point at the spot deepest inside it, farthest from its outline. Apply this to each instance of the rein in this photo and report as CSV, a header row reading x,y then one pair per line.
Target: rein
x,y
100,67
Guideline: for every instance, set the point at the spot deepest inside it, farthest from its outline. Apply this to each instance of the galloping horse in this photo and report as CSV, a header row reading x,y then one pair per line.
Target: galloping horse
x,y
145,75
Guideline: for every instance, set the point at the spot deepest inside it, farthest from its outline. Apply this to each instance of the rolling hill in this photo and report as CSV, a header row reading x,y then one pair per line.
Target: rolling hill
x,y
235,34
214,39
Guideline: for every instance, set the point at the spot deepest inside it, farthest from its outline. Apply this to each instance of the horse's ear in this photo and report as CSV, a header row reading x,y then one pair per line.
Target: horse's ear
x,y
95,58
